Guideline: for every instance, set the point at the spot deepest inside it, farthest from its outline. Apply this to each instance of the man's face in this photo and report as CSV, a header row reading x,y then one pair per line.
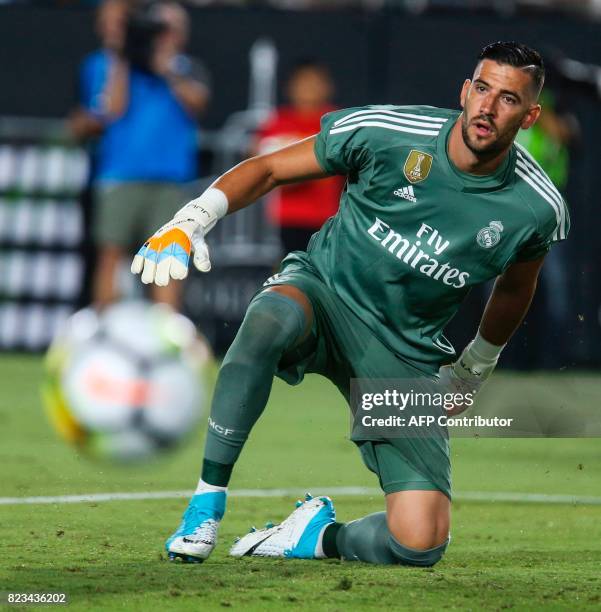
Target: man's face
x,y
174,37
110,23
310,87
497,102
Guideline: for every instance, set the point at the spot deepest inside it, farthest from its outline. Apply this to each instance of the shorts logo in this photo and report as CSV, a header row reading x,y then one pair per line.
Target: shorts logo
x,y
417,166
489,236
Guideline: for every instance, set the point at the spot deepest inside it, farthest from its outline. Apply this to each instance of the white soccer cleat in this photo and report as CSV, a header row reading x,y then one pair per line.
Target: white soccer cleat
x,y
297,537
196,537
196,546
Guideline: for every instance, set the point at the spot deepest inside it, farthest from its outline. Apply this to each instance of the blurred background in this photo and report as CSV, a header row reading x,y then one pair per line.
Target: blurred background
x,y
111,116
101,98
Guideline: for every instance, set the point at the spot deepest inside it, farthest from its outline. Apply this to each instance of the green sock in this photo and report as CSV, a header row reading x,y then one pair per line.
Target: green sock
x,y
273,323
216,474
368,539
328,542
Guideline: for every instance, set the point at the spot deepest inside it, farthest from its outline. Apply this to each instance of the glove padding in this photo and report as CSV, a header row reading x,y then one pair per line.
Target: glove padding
x,y
166,254
466,375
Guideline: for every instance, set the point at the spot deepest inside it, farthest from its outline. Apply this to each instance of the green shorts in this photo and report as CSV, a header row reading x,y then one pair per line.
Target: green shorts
x,y
127,213
342,347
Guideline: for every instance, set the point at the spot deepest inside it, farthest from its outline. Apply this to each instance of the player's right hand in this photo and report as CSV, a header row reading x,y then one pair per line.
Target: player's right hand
x,y
165,255
467,375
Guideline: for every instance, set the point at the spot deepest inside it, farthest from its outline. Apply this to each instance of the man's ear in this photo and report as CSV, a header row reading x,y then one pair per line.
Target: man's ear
x,y
531,117
464,90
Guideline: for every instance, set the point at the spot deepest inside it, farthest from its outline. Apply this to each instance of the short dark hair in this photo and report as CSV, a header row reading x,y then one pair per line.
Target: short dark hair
x,y
520,56
307,63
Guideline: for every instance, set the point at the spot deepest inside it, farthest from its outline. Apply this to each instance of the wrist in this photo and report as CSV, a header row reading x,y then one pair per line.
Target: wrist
x,y
478,359
483,351
206,209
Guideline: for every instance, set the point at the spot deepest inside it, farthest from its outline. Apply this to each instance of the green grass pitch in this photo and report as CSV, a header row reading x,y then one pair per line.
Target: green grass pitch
x,y
109,555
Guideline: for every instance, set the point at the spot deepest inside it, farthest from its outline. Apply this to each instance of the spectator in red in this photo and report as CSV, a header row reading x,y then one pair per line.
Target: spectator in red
x,y
300,210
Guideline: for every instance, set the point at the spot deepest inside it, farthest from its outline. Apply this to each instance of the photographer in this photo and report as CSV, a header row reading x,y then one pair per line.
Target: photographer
x,y
142,95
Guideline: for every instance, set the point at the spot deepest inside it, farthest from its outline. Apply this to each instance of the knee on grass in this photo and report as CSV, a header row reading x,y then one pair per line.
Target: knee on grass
x,y
369,539
419,557
418,526
422,543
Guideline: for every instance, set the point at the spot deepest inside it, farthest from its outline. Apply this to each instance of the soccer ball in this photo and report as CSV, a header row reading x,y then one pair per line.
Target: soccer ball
x,y
125,383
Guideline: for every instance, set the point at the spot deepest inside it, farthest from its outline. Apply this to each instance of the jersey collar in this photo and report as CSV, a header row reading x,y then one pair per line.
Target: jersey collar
x,y
471,183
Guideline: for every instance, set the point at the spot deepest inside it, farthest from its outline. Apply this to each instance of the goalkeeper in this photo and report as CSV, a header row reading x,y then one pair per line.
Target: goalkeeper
x,y
436,201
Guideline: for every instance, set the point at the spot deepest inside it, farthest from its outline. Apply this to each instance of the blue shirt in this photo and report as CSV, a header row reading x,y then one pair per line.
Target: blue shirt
x,y
154,140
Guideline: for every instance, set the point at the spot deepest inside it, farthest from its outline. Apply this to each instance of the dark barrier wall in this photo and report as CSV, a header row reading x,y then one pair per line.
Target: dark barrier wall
x,y
41,48
376,58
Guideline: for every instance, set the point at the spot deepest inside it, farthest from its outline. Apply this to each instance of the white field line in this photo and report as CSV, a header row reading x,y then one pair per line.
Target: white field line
x,y
492,496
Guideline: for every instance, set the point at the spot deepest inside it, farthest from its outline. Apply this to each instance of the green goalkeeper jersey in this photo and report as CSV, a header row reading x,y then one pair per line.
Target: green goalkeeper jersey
x,y
414,233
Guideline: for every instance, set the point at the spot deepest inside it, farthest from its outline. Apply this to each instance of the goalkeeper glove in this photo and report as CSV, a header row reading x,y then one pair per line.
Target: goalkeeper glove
x,y
165,255
468,374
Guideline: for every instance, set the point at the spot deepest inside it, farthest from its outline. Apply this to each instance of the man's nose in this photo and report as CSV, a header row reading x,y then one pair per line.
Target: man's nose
x,y
488,105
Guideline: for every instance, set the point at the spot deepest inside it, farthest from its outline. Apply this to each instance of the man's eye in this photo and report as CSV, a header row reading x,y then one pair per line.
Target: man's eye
x,y
509,100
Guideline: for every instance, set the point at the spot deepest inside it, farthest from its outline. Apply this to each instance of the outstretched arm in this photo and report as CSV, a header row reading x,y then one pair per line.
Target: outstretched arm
x,y
165,255
253,178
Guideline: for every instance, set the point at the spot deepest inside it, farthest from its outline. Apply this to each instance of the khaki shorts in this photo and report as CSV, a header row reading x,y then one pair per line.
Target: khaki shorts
x,y
127,213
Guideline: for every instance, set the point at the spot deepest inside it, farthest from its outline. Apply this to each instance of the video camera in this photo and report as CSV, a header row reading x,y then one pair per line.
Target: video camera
x,y
143,28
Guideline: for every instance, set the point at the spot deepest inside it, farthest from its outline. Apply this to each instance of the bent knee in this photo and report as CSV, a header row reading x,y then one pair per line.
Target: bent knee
x,y
418,519
273,323
421,542
298,296
419,557
421,537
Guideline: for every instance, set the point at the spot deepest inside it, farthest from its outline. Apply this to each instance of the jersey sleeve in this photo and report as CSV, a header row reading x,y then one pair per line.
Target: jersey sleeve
x,y
340,150
552,229
92,80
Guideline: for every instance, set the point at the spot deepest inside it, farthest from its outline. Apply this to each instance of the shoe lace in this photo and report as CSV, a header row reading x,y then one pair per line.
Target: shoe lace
x,y
206,531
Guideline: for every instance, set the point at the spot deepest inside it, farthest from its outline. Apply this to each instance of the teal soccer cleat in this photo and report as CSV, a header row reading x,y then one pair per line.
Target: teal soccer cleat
x,y
196,537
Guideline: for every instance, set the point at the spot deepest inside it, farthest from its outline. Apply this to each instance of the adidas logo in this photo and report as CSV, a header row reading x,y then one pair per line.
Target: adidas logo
x,y
406,193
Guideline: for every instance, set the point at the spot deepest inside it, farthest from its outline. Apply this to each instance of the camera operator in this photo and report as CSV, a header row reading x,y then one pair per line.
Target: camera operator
x,y
143,96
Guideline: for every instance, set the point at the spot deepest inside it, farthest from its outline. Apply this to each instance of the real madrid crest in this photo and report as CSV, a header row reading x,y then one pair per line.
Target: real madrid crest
x,y
490,235
417,166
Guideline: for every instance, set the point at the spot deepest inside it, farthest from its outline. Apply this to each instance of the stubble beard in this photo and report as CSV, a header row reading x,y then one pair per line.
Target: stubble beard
x,y
487,151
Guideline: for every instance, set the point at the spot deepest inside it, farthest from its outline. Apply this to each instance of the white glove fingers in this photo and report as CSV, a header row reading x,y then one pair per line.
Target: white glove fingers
x,y
173,258
149,271
137,265
161,275
178,270
166,254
